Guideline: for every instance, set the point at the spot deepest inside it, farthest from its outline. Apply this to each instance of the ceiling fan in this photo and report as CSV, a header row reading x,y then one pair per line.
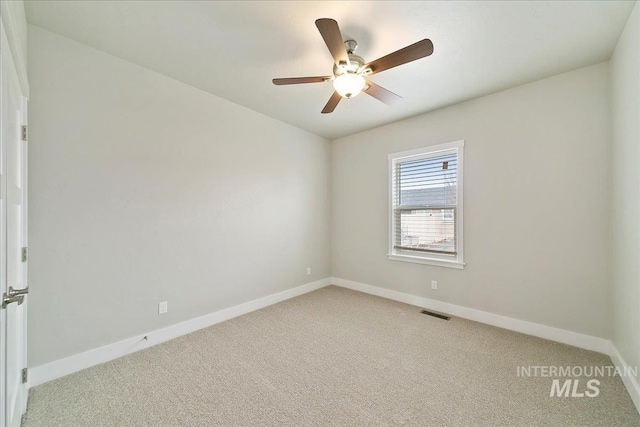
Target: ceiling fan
x,y
350,72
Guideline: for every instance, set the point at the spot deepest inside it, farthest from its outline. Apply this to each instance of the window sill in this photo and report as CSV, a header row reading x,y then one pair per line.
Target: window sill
x,y
429,261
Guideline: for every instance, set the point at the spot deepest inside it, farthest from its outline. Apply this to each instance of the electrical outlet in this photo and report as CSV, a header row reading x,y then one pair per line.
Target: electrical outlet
x,y
163,307
434,284
308,271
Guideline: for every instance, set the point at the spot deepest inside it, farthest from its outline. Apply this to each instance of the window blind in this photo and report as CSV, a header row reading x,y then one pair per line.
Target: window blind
x,y
425,203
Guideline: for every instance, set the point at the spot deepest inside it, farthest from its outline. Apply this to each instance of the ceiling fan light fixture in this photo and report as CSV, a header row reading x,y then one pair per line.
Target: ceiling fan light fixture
x,y
349,85
350,71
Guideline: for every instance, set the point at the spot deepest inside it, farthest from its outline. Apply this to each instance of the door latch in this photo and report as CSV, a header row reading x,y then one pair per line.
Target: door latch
x,y
14,296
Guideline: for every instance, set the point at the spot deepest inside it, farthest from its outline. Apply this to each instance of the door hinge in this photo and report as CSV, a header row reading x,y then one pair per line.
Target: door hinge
x,y
24,133
25,375
25,254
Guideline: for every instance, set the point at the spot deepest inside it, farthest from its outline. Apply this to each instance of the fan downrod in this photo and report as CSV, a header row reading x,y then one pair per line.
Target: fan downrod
x,y
351,46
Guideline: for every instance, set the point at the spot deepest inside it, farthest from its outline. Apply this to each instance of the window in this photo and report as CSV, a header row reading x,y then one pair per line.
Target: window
x,y
426,205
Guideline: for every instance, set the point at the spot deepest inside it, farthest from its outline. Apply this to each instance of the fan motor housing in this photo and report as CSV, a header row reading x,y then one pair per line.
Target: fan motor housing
x,y
355,64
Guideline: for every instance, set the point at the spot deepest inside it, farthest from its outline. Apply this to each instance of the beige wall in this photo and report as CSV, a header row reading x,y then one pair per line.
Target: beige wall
x,y
144,189
15,26
625,191
536,225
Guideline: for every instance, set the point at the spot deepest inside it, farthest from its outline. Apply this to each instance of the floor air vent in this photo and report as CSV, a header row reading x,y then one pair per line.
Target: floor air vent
x,y
438,315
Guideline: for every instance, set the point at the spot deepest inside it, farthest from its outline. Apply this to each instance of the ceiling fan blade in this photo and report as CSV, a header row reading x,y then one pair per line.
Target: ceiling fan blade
x,y
299,80
382,94
332,104
330,32
410,53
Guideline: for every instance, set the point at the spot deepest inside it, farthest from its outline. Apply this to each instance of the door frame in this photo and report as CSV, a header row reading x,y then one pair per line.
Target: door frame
x,y
11,23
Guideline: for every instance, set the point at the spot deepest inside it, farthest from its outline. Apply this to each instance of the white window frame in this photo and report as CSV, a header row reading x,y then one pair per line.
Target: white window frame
x,y
441,260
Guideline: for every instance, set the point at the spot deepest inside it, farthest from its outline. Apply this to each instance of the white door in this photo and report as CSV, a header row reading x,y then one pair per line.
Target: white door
x,y
13,210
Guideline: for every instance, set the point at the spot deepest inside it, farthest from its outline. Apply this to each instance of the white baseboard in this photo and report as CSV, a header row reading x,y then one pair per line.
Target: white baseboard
x,y
587,342
60,368
630,382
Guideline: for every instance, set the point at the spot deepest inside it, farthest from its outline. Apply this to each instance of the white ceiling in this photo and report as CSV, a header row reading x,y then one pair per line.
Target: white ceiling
x,y
234,49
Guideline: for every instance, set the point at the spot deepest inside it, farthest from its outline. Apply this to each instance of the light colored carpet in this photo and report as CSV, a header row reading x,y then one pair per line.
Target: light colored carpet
x,y
333,357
